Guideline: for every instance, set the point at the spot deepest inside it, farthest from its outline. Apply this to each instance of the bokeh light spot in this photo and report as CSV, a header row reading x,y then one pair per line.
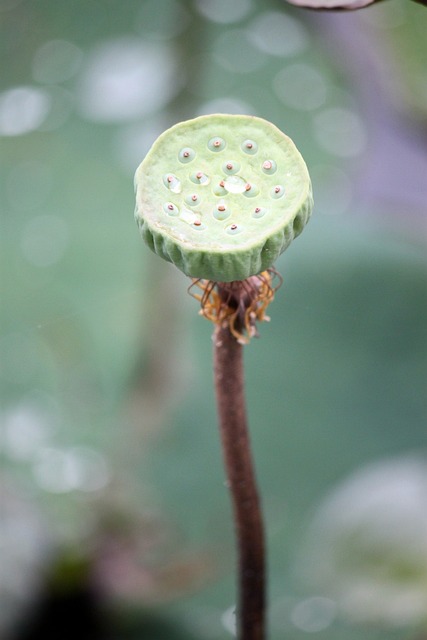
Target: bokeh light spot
x,y
133,141
126,79
22,109
340,131
226,105
25,429
224,11
333,189
366,547
228,620
64,470
314,614
25,545
300,86
235,52
56,61
278,34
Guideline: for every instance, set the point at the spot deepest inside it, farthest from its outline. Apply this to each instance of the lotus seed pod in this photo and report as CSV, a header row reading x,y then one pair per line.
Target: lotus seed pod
x,y
222,196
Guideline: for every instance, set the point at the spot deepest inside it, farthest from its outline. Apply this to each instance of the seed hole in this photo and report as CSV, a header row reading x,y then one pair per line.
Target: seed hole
x,y
277,192
259,212
170,209
219,188
186,155
172,182
200,178
192,200
216,144
230,167
233,229
269,167
251,190
221,212
249,146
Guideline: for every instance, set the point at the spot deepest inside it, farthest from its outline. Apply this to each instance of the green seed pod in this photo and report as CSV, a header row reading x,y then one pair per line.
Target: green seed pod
x,y
222,196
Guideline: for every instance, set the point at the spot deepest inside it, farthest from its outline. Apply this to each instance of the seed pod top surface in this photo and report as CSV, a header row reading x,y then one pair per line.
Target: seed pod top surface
x,y
221,196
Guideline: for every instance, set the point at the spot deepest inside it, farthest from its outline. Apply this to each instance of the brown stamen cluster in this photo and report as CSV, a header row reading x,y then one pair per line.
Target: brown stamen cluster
x,y
239,304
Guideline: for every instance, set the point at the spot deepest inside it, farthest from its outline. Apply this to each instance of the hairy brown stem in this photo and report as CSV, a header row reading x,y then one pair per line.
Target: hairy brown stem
x,y
229,384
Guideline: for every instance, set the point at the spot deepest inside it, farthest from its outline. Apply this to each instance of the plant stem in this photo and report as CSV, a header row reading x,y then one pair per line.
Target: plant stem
x,y
229,384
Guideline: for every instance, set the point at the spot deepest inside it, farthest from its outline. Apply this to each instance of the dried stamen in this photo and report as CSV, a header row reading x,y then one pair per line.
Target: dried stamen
x,y
239,304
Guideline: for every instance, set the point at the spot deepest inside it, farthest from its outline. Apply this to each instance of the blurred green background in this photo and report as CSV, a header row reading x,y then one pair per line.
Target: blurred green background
x,y
114,512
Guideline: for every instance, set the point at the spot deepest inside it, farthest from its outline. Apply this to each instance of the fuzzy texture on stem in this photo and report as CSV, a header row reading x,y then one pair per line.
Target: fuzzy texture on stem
x,y
229,385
